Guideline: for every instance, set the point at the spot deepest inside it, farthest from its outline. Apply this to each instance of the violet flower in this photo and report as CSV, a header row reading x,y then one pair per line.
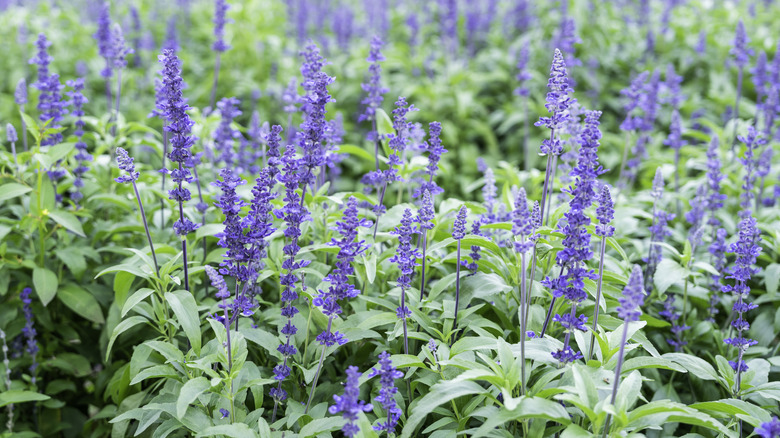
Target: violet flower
x,y
12,138
604,214
387,374
105,46
82,156
178,126
753,141
28,331
458,233
220,10
658,230
350,404
51,106
425,220
406,259
770,429
741,53
125,162
374,93
225,136
340,288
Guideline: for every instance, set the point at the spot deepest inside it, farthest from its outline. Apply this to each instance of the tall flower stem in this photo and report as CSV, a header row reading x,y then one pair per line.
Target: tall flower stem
x,y
598,299
616,381
319,368
736,109
146,228
118,96
381,200
551,190
523,322
24,132
549,311
457,294
162,184
203,214
216,80
422,268
547,175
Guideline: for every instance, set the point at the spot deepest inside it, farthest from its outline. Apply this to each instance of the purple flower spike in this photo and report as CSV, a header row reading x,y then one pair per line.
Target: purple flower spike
x,y
605,213
104,40
374,89
740,51
558,102
406,255
350,404
435,151
387,374
633,297
20,94
459,227
770,429
28,331
125,162
225,136
220,11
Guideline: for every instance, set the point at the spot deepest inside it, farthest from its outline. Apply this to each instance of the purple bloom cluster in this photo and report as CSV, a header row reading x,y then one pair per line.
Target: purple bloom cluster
x,y
340,288
104,39
405,258
178,126
633,297
373,88
435,151
350,404
220,10
770,429
314,127
125,162
675,140
522,225
605,213
459,227
671,88
740,51
747,250
714,177
225,136
558,102
641,111
473,266
29,332
51,106
658,230
671,314
119,48
387,374
20,93
753,140
232,238
523,74
82,156
576,244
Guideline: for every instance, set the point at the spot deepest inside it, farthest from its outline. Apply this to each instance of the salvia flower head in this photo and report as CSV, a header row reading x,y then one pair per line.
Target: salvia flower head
x,y
120,48
523,74
634,93
10,133
104,40
427,213
675,140
220,11
459,227
350,404
522,225
753,140
232,238
387,374
633,297
125,162
373,88
714,177
740,51
399,140
605,213
313,129
29,332
225,136
178,126
20,94
435,151
658,185
218,282
558,102
770,429
406,255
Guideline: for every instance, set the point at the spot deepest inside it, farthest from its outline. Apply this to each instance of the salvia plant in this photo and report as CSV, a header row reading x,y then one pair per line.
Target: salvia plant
x,y
251,239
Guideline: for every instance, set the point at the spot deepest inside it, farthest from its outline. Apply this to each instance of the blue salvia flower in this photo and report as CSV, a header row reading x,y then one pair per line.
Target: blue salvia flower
x,y
259,218
20,93
120,49
763,167
671,85
312,65
701,45
125,162
104,40
459,227
399,140
293,214
232,237
605,213
770,429
435,151
12,138
350,404
489,192
178,126
82,156
522,225
576,245
523,74
51,106
225,136
343,26
373,88
28,331
473,266
340,288
753,140
220,11
695,216
740,50
717,251
406,259
425,217
671,314
658,229
760,80
458,233
171,35
333,138
565,40
634,94
136,20
387,374
312,131
644,123
676,142
747,250
558,102
714,177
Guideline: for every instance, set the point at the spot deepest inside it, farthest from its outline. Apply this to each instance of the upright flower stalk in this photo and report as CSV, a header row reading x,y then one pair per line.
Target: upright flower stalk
x,y
105,48
522,228
9,424
629,310
387,374
225,136
558,102
374,93
340,288
120,51
51,106
220,11
458,233
658,230
12,137
741,53
350,404
604,213
576,253
29,333
179,126
522,77
20,98
425,220
82,156
223,294
125,162
406,259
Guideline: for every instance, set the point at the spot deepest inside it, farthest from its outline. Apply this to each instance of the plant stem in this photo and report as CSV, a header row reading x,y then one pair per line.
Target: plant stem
x,y
621,174
422,265
547,173
118,95
550,188
618,368
164,154
523,321
319,368
146,228
736,110
216,79
549,311
598,298
457,294
379,204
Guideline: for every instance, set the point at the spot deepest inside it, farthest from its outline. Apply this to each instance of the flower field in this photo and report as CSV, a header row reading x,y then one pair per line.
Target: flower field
x,y
326,218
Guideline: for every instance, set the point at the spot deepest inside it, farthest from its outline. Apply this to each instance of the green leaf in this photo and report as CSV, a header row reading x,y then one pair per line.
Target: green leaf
x,y
640,362
189,392
236,430
696,366
668,273
121,328
32,126
529,407
439,394
183,305
69,221
18,396
81,302
321,425
12,190
772,278
136,298
384,125
749,412
356,151
370,264
46,284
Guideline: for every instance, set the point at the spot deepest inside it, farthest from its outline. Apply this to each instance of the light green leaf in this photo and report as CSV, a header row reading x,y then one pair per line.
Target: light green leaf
x,y
695,365
18,396
189,392
136,298
439,394
668,273
46,284
236,430
529,407
81,302
321,425
12,190
183,305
